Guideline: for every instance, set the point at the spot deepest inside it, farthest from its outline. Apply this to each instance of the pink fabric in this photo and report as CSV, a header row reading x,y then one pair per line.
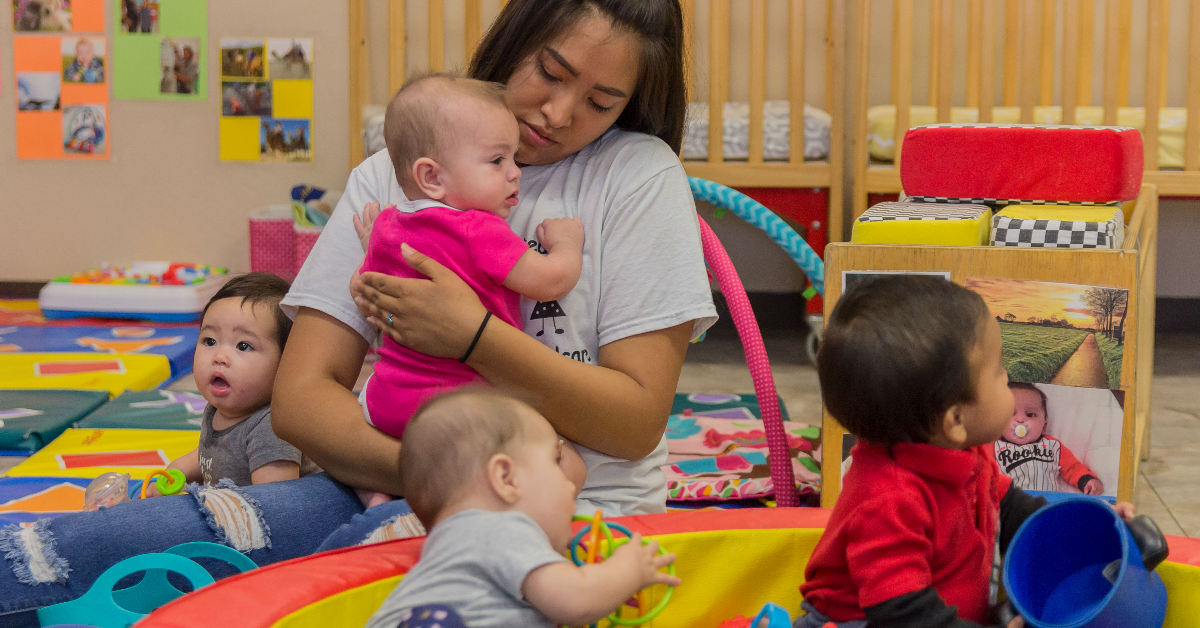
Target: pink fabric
x,y
481,249
779,460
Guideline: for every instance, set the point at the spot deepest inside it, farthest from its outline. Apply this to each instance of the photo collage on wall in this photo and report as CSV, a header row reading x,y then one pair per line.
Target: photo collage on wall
x,y
1062,346
266,99
62,65
159,49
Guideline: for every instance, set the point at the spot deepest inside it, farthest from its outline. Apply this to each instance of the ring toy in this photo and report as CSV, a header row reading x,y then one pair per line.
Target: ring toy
x,y
169,482
597,526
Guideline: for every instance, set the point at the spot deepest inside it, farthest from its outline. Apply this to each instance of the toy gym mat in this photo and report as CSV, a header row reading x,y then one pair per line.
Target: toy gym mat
x,y
86,453
24,500
718,449
176,344
83,371
158,291
151,410
31,418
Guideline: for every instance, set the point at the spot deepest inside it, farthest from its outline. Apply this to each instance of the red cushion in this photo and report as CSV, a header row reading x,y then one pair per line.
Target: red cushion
x,y
1005,162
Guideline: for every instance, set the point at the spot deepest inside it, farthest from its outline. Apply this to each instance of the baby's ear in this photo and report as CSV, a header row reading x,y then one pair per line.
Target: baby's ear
x,y
502,478
427,174
952,427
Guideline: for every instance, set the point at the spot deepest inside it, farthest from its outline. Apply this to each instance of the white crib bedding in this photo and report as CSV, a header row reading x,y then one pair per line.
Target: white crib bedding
x,y
736,135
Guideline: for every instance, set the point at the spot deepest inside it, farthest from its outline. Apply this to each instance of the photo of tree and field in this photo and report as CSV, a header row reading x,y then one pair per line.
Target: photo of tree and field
x,y
1058,333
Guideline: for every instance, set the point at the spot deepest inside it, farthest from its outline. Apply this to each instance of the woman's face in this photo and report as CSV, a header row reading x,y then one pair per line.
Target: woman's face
x,y
570,92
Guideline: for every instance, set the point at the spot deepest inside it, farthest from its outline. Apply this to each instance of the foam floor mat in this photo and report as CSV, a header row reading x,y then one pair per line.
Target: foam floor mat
x,y
31,418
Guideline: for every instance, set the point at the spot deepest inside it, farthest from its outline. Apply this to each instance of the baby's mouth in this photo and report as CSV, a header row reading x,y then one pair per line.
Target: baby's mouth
x,y
219,386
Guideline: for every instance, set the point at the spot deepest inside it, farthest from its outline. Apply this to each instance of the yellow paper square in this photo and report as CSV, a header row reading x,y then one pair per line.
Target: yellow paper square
x,y
239,138
292,99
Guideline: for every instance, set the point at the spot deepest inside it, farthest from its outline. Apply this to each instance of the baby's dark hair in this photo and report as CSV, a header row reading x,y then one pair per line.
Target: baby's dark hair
x,y
1041,393
449,440
896,356
255,288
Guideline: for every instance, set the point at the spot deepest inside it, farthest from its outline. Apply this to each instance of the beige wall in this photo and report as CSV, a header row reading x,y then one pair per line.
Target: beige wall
x,y
164,194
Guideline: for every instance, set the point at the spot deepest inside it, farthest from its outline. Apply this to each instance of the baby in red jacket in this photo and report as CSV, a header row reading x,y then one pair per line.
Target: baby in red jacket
x,y
1033,460
911,365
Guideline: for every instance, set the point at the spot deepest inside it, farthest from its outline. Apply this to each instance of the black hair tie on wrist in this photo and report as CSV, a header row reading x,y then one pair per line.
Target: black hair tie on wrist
x,y
477,335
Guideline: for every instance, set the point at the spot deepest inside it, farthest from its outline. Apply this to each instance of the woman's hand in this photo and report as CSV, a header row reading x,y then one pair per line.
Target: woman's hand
x,y
437,316
363,224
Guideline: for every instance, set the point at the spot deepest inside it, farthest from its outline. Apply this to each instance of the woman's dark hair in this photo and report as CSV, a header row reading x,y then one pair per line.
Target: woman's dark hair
x,y
896,356
255,288
659,102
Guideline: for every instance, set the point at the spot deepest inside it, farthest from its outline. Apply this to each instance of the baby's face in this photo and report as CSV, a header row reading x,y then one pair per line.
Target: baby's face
x,y
1029,417
83,52
236,356
547,494
477,162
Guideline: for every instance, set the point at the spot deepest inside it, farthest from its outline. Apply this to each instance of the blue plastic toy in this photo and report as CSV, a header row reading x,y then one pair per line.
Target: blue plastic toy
x,y
1076,564
103,607
776,616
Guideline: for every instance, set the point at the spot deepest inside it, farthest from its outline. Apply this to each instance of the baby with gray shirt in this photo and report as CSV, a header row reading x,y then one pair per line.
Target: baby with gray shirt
x,y
242,334
482,472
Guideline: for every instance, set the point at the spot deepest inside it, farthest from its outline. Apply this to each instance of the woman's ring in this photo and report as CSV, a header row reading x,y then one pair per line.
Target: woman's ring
x,y
389,319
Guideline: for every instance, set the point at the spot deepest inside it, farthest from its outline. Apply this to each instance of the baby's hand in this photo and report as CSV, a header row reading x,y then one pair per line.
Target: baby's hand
x,y
152,490
561,232
364,224
1126,510
645,562
1093,487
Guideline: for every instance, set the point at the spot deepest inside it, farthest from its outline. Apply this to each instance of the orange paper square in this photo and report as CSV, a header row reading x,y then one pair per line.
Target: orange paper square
x,y
87,16
39,135
84,94
35,53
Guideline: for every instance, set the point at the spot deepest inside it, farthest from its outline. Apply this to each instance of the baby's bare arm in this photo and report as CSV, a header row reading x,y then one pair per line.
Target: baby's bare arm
x,y
577,596
552,276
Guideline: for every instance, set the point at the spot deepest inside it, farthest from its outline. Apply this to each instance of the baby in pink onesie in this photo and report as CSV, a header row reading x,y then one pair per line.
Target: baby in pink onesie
x,y
452,142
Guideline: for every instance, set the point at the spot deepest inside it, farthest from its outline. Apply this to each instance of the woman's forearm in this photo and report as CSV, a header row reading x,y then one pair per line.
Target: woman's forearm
x,y
619,407
314,408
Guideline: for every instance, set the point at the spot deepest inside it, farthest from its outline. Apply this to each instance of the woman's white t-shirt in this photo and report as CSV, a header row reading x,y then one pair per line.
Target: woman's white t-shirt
x,y
643,271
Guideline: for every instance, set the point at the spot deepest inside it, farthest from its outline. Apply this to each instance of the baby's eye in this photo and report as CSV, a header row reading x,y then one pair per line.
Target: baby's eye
x,y
209,342
498,161
244,346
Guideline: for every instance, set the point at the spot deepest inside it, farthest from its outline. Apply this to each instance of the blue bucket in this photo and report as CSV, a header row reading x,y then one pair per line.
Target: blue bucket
x,y
1074,564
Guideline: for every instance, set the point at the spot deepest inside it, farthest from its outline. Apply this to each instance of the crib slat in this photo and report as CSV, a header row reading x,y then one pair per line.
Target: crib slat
x,y
397,50
987,60
1164,51
689,24
974,48
1191,146
1125,41
1070,68
902,48
758,78
1154,19
895,59
437,33
1012,50
1087,23
718,77
835,97
358,76
935,45
472,28
1029,79
1049,32
796,81
861,103
946,66
1112,61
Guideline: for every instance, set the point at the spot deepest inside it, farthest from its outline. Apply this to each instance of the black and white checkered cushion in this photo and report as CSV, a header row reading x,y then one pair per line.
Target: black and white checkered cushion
x,y
1040,233
901,210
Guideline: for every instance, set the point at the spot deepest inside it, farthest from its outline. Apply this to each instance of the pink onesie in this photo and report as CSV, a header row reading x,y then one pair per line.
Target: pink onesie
x,y
481,249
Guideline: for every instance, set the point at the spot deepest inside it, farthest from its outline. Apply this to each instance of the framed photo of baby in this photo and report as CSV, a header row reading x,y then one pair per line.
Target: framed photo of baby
x,y
1062,346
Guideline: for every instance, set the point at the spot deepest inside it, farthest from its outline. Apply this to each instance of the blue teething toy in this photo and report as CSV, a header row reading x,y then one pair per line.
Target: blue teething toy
x,y
103,607
776,616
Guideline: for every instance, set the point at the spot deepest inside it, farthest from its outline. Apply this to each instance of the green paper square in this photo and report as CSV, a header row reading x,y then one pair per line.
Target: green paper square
x,y
136,70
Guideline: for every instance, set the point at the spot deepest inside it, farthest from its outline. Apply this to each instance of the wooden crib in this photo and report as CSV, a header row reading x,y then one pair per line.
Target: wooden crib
x,y
719,70
1053,58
